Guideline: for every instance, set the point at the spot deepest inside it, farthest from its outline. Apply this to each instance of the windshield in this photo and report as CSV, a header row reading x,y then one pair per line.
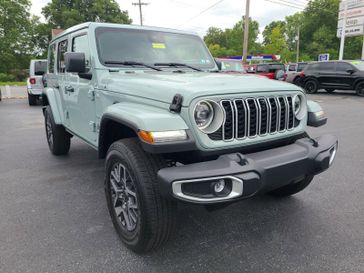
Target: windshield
x,y
150,47
358,64
232,66
301,66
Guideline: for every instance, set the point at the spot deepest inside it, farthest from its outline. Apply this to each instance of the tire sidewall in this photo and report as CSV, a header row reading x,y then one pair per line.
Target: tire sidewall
x,y
315,86
358,90
48,115
134,239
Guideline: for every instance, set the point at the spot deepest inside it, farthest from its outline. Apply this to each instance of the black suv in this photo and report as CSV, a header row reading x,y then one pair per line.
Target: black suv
x,y
332,75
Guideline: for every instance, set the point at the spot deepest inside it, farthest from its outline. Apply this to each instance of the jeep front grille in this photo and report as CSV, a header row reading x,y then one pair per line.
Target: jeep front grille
x,y
253,117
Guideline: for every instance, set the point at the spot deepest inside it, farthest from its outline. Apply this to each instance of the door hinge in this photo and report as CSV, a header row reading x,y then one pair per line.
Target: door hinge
x,y
92,126
91,95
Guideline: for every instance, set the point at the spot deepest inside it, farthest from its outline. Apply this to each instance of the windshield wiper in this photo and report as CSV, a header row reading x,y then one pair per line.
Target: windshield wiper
x,y
177,65
131,63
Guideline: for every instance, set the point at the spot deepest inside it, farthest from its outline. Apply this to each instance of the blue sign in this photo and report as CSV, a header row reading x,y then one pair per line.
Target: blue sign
x,y
324,57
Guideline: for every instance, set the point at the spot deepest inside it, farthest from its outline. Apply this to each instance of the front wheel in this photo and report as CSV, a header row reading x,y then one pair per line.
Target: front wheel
x,y
143,219
311,86
292,188
360,89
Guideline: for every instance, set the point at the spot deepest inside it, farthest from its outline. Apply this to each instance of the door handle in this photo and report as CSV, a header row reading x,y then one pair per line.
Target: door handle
x,y
69,89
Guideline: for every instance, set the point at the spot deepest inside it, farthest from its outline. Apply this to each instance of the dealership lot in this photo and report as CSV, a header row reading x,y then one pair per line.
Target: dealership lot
x,y
53,215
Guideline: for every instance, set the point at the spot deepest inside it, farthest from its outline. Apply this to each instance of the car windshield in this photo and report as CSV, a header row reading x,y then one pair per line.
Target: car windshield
x,y
118,45
358,64
301,66
232,66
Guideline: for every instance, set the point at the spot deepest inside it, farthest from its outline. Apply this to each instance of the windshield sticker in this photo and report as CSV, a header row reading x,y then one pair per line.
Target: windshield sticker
x,y
355,62
158,45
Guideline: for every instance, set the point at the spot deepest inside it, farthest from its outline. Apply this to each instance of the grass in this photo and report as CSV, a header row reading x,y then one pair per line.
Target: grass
x,y
13,83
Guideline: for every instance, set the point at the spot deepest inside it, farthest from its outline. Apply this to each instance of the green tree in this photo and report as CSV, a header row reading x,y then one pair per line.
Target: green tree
x,y
66,13
229,42
277,42
15,47
269,28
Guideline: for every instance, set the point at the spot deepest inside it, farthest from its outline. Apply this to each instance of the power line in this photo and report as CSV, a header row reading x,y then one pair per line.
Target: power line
x,y
290,3
282,4
203,11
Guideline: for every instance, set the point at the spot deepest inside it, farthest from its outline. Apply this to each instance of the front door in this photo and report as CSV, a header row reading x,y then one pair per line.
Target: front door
x,y
81,100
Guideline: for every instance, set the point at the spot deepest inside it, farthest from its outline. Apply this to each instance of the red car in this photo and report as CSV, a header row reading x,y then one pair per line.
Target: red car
x,y
274,71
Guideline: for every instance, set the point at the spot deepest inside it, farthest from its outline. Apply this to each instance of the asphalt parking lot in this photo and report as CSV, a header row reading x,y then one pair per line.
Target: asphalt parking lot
x,y
53,214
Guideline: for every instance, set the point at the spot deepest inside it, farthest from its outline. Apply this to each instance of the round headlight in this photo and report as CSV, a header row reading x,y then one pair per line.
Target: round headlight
x,y
299,106
204,114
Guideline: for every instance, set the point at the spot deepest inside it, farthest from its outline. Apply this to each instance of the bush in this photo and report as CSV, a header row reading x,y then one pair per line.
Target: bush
x,y
7,77
19,74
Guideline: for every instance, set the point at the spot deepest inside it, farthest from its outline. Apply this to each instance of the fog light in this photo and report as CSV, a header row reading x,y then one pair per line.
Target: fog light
x,y
333,151
219,186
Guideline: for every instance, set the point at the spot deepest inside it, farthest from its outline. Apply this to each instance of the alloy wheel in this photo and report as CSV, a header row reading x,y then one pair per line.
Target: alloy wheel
x,y
49,132
124,198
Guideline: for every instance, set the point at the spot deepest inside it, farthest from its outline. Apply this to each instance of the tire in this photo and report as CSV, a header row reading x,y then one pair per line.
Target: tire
x,y
151,217
330,90
59,140
311,86
292,188
360,89
297,81
32,100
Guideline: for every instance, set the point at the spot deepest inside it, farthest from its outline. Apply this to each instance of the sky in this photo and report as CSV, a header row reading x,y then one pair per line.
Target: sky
x,y
185,14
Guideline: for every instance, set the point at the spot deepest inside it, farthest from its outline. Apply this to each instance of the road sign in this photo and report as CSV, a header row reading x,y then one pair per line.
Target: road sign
x,y
351,31
352,4
324,57
356,12
350,22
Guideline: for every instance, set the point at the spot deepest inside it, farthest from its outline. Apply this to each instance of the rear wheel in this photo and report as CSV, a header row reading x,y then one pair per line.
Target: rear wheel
x,y
311,86
292,188
330,90
360,89
32,99
59,140
143,218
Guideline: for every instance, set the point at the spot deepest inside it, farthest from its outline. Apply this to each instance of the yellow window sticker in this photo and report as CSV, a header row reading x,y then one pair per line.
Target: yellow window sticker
x,y
159,45
355,62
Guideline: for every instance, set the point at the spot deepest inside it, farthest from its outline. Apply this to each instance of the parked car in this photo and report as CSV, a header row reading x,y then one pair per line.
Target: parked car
x,y
273,71
171,130
333,75
35,81
230,65
294,73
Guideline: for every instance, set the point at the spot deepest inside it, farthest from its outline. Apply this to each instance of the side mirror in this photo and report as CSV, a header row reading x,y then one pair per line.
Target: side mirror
x,y
75,62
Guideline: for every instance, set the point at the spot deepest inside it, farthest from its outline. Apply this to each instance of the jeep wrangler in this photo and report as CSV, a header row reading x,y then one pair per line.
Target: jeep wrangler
x,y
172,128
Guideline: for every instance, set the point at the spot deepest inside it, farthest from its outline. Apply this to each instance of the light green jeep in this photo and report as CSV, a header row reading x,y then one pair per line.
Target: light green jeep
x,y
173,128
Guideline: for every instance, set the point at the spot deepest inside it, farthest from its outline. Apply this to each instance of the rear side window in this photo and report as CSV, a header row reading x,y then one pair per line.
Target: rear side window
x,y
51,58
80,44
62,49
343,67
329,66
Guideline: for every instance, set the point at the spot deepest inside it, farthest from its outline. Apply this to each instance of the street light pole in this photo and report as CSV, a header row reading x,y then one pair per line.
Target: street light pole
x,y
140,4
343,30
298,46
246,31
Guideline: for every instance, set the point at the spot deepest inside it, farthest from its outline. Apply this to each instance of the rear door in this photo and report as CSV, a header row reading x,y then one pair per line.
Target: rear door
x,y
326,74
344,75
80,97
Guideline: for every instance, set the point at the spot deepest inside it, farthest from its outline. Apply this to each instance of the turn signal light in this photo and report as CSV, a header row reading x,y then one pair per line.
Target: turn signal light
x,y
161,137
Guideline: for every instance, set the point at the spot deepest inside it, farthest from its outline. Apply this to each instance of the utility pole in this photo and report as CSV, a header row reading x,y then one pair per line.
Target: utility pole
x,y
343,30
246,31
298,45
140,4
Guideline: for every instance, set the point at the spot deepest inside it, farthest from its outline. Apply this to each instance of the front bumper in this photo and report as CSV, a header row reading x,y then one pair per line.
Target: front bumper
x,y
249,174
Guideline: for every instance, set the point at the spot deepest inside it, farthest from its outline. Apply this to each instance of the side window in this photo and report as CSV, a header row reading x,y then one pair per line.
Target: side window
x,y
62,49
327,66
80,44
343,67
51,58
262,68
292,67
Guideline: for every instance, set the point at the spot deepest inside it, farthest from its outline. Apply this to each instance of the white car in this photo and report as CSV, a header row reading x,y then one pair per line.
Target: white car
x,y
35,81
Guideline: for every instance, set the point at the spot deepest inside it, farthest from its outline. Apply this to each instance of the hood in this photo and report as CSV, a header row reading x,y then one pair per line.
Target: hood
x,y
162,86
